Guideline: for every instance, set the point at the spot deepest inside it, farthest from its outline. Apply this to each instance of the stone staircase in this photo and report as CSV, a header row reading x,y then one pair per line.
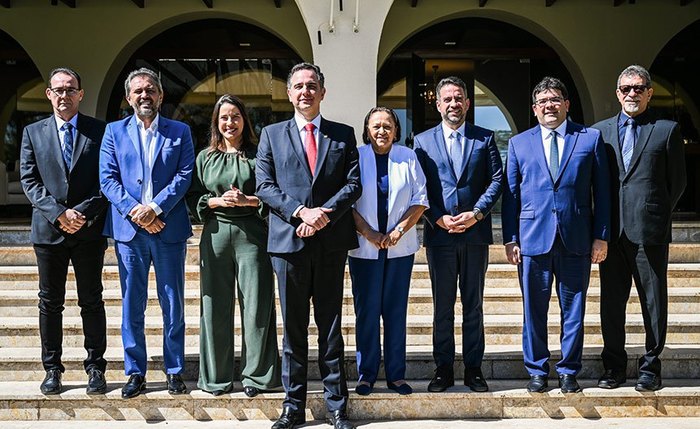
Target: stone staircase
x,y
21,370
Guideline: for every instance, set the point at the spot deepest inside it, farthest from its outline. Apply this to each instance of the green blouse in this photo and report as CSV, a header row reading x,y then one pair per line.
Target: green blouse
x,y
214,174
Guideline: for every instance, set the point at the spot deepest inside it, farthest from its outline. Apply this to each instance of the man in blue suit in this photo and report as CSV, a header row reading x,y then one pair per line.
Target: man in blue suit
x,y
556,217
464,172
307,172
146,164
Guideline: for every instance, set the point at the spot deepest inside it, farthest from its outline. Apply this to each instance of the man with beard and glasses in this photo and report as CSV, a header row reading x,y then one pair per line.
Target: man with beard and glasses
x,y
146,166
647,168
463,170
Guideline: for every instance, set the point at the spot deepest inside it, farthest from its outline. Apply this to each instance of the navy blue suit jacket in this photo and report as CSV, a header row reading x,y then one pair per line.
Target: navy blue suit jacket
x,y
478,185
576,203
121,175
284,182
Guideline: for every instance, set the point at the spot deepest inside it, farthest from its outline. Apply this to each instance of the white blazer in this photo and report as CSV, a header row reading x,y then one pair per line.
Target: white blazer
x,y
406,188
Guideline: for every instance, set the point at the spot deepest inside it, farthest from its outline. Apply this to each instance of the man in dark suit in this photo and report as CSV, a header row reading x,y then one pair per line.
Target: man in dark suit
x,y
59,159
556,220
307,172
146,165
647,169
463,170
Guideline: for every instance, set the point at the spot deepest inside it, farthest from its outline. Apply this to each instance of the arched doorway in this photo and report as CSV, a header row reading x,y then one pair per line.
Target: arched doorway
x,y
500,61
201,60
676,94
22,101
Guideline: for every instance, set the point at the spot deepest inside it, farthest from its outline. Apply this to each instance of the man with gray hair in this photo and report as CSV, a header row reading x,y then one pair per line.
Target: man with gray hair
x,y
647,172
146,164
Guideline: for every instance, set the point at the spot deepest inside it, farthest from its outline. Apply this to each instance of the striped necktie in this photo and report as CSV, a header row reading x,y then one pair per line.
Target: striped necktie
x,y
67,149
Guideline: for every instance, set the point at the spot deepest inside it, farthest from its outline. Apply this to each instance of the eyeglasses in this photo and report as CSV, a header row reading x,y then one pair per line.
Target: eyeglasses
x,y
60,92
556,101
625,89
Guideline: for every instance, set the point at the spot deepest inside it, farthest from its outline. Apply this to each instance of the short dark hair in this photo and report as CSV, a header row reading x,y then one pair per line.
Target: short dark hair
x,y
306,66
632,71
394,117
550,83
65,70
451,80
143,71
217,140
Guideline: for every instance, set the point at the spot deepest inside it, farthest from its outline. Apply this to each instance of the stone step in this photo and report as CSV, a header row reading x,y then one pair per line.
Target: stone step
x,y
24,255
498,329
507,399
497,300
500,362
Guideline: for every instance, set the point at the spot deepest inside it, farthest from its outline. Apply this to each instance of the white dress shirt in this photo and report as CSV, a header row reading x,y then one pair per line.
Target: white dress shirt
x,y
62,135
147,139
547,139
447,133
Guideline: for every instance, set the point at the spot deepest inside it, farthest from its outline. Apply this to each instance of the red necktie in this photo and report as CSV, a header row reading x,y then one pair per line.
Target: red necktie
x,y
310,146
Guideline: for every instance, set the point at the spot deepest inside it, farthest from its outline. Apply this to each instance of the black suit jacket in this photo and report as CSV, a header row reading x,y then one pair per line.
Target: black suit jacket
x,y
52,189
284,182
645,195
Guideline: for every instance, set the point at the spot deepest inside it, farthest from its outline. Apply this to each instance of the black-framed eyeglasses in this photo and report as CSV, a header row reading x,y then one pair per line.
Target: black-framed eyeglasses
x,y
556,101
60,92
625,89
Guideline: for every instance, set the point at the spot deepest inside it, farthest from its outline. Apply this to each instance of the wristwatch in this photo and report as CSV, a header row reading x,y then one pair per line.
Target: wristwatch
x,y
478,215
401,230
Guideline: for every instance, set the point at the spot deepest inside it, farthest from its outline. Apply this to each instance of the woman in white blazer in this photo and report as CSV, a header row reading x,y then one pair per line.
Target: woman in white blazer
x,y
393,199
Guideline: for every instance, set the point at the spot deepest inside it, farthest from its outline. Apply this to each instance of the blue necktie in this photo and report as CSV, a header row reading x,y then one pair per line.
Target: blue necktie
x,y
67,148
456,152
554,155
628,142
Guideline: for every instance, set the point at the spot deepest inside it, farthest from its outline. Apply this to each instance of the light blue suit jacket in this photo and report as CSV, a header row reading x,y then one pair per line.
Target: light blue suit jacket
x,y
121,177
576,203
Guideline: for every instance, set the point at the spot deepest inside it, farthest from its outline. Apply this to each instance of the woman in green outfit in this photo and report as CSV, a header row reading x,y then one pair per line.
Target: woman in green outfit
x,y
233,258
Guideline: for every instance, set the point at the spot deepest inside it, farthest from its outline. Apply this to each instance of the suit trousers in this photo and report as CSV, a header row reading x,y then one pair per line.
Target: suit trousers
x,y
168,260
234,262
380,290
462,265
52,262
570,274
312,275
648,266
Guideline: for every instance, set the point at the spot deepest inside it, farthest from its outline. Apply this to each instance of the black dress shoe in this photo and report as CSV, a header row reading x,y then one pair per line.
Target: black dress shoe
x,y
289,419
175,384
474,379
612,379
648,382
339,420
568,383
401,389
52,382
134,387
537,384
251,391
442,380
97,384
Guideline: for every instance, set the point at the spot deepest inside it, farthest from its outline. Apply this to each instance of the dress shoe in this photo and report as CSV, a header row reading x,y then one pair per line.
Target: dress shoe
x,y
339,420
363,389
251,391
537,384
401,389
568,383
134,387
474,379
97,384
648,382
52,382
175,384
611,379
442,380
289,419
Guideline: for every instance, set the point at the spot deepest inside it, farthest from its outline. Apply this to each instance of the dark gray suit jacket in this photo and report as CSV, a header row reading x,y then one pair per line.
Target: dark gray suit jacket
x,y
644,196
284,182
52,189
